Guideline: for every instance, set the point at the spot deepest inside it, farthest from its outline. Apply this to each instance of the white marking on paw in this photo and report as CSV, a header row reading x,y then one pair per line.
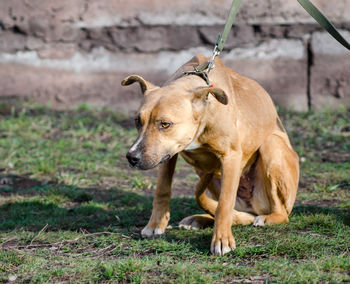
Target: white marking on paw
x,y
158,231
184,226
147,232
195,225
259,221
189,223
225,250
217,250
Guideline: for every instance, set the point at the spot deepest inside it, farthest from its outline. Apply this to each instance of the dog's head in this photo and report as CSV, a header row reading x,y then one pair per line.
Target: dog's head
x,y
168,120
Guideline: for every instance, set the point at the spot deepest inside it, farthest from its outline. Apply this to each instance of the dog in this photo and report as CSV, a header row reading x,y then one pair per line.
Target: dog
x,y
231,134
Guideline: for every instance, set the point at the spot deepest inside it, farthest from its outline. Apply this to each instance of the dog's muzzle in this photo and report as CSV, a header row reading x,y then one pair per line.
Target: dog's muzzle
x,y
136,161
134,158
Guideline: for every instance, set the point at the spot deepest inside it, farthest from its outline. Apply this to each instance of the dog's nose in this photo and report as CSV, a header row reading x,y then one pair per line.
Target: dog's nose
x,y
133,159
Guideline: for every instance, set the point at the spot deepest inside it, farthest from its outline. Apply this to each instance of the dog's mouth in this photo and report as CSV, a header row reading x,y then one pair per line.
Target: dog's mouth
x,y
148,167
143,165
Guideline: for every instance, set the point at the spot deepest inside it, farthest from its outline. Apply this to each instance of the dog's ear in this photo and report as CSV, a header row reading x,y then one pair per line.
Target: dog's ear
x,y
136,78
218,93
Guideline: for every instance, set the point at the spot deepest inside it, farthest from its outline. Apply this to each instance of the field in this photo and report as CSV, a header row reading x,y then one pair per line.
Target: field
x,y
71,209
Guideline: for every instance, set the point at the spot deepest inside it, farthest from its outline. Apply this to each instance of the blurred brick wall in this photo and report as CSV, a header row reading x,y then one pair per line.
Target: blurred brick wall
x,y
70,52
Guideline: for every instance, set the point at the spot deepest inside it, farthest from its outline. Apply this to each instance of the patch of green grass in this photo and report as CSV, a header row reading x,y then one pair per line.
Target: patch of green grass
x,y
322,140
71,210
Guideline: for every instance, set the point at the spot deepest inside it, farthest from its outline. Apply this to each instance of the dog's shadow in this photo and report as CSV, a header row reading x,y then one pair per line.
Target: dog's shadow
x,y
30,205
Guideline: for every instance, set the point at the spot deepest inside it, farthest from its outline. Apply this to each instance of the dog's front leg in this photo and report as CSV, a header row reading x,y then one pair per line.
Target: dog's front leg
x,y
223,240
161,208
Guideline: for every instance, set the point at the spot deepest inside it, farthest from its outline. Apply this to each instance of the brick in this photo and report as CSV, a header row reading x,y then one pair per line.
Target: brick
x,y
330,72
240,35
57,51
34,43
107,13
50,20
85,78
11,42
207,12
64,89
49,29
152,39
280,66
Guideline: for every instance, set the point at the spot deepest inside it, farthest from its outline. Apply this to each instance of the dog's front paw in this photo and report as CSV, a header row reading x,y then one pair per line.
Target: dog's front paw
x,y
152,231
222,242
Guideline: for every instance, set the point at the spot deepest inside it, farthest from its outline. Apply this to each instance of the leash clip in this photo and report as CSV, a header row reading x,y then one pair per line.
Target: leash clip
x,y
204,69
211,65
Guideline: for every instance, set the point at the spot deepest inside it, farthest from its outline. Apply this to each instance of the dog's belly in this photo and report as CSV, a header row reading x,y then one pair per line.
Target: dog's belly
x,y
250,189
203,161
246,190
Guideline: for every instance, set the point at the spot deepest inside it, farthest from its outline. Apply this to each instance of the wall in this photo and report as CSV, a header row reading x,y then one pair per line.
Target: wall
x,y
70,52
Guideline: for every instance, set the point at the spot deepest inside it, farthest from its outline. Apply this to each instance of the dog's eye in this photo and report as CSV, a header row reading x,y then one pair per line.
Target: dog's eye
x,y
165,125
138,122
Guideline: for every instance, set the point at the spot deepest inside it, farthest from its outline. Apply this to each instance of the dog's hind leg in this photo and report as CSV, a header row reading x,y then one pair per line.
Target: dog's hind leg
x,y
201,220
198,221
209,205
214,188
278,174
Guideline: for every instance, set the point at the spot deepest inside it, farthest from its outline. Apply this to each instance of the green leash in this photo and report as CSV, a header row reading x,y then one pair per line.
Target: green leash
x,y
219,46
204,69
324,22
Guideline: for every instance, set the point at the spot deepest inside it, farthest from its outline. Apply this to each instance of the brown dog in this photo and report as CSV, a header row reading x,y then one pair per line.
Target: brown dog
x,y
232,135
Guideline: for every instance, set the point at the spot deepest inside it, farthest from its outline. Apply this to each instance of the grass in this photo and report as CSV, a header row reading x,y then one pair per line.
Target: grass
x,y
71,210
